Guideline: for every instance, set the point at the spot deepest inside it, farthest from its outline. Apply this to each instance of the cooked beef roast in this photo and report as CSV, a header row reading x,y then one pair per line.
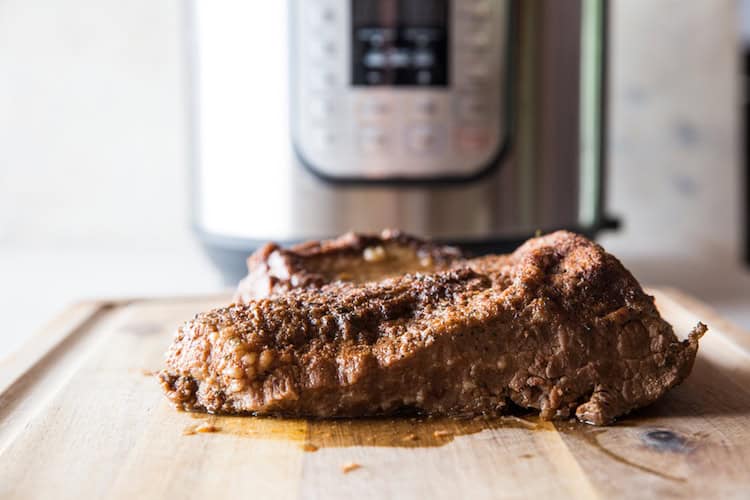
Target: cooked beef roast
x,y
559,326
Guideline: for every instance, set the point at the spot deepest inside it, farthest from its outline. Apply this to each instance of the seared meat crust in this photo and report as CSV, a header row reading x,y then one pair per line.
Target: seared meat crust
x,y
559,326
358,258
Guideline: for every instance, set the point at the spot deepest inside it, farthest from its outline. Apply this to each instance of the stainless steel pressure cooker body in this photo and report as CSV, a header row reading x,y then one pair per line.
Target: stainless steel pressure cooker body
x,y
476,122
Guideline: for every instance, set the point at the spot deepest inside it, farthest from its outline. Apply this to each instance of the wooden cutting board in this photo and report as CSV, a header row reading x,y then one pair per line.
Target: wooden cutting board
x,y
82,416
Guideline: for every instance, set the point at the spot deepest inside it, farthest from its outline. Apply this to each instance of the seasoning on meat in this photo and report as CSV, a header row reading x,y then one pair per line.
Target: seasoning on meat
x,y
558,326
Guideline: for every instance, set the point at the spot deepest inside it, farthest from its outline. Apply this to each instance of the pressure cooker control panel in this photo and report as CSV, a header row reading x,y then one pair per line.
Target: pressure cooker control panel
x,y
399,89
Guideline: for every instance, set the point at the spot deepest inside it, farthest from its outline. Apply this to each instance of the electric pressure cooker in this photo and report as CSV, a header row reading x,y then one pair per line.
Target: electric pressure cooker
x,y
474,122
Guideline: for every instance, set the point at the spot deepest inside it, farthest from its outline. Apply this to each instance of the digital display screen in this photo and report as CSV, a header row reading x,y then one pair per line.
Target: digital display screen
x,y
400,42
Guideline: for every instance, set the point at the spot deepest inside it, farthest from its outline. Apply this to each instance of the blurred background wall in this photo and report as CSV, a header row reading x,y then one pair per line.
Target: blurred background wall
x,y
674,136
93,175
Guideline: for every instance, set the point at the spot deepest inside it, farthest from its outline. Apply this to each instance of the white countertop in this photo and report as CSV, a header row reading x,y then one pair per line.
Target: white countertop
x,y
93,176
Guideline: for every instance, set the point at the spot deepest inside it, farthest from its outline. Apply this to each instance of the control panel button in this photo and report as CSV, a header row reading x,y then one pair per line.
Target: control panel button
x,y
321,108
476,79
378,38
372,139
323,139
423,59
426,106
423,138
323,49
376,59
477,72
471,108
473,139
323,80
321,15
372,109
479,42
478,9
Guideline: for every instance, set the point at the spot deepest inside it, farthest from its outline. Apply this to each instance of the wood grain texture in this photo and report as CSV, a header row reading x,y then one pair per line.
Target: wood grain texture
x,y
82,417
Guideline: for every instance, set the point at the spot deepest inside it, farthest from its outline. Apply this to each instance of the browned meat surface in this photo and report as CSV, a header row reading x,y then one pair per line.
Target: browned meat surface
x,y
352,257
559,326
